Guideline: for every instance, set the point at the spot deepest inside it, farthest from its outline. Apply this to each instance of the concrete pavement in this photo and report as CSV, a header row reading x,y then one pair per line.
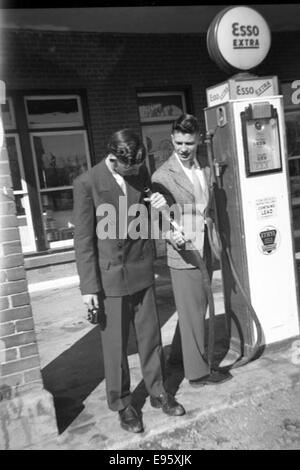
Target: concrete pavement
x,y
243,413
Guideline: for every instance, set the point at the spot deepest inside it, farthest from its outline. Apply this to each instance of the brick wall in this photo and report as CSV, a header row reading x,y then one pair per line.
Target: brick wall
x,y
111,67
19,359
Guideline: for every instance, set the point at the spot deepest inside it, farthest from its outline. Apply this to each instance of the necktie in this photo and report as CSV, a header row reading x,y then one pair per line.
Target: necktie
x,y
200,195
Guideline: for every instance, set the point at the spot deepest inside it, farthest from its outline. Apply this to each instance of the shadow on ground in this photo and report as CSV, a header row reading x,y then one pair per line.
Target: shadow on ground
x,y
73,375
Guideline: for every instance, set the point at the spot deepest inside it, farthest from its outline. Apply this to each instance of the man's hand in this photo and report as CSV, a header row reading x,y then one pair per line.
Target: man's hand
x,y
96,311
178,238
175,237
156,200
90,300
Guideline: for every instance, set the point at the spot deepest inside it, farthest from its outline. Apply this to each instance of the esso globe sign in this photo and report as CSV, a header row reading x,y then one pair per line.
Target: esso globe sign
x,y
238,38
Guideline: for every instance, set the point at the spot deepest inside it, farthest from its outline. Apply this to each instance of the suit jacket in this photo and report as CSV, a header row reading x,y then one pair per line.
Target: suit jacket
x,y
172,182
115,266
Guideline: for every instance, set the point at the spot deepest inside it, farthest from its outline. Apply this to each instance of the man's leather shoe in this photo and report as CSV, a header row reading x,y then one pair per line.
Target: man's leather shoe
x,y
168,404
215,378
130,420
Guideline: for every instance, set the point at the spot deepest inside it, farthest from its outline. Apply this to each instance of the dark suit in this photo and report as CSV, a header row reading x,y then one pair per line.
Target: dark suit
x,y
121,270
190,298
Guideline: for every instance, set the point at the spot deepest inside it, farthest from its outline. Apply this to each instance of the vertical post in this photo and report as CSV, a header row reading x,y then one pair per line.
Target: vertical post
x,y
27,415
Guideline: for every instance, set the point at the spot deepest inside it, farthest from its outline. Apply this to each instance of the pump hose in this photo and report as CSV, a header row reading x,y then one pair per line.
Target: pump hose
x,y
217,251
255,348
191,255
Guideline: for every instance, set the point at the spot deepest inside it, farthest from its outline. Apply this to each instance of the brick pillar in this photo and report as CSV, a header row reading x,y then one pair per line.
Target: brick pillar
x,y
27,415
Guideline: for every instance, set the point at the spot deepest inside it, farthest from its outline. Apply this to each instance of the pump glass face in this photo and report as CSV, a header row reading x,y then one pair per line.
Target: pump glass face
x,y
262,145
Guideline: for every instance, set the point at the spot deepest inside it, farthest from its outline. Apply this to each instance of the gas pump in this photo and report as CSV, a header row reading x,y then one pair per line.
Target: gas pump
x,y
247,151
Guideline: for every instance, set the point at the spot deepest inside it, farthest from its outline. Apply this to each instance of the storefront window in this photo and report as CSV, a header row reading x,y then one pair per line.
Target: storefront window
x,y
59,157
56,130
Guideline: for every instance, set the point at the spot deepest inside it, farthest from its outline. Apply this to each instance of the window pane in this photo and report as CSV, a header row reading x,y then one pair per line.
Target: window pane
x,y
58,215
51,111
60,158
14,163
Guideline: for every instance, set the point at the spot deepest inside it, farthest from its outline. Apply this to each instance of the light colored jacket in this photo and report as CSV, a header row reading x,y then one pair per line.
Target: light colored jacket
x,y
171,181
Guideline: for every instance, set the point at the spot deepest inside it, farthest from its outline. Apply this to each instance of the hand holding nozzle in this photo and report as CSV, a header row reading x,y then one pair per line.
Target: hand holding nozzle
x,y
159,202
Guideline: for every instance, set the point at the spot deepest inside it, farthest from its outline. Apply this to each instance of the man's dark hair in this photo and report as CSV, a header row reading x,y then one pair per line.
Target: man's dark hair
x,y
186,124
127,146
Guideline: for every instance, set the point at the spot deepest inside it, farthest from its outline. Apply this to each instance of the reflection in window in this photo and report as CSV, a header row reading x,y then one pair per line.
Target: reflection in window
x,y
60,157
58,215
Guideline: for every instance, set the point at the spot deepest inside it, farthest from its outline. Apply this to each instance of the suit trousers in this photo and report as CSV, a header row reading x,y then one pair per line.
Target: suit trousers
x,y
140,309
191,304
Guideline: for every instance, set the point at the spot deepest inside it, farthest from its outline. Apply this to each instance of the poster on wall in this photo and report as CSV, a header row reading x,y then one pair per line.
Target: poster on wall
x,y
162,106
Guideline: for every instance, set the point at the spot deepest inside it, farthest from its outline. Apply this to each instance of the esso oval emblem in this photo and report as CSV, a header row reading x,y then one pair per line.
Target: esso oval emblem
x,y
239,38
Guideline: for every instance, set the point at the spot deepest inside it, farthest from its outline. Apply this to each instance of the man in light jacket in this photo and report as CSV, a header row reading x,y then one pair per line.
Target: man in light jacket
x,y
185,183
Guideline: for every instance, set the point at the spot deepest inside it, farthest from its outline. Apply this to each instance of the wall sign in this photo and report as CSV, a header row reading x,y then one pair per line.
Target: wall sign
x,y
291,93
238,38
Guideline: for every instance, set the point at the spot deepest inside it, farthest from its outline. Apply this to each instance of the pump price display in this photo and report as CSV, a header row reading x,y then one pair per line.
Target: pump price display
x,y
263,153
261,139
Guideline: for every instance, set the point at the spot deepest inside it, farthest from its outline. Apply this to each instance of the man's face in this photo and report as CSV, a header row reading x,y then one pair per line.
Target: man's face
x,y
123,168
185,145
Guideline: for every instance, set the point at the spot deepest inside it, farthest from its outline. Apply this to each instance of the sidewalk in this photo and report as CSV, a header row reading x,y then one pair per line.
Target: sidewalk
x,y
259,407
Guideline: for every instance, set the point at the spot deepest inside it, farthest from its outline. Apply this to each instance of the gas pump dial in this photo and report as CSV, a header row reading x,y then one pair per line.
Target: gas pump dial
x,y
261,139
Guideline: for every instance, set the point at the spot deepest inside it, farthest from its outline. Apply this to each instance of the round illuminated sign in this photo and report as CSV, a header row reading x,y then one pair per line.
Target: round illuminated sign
x,y
238,38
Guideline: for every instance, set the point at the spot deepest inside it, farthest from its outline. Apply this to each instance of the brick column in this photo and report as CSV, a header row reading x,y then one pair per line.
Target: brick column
x,y
27,414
